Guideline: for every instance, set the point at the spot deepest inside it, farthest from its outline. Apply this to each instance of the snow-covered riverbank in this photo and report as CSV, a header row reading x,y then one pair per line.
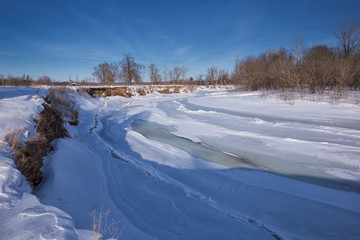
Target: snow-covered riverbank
x,y
205,165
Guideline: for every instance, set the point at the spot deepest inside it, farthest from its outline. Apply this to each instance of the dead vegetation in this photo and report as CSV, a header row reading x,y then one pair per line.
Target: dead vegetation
x,y
28,158
129,92
170,89
50,124
62,100
102,226
108,91
319,69
29,153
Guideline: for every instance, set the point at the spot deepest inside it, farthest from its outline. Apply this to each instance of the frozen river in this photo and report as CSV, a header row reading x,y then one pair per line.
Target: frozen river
x,y
214,166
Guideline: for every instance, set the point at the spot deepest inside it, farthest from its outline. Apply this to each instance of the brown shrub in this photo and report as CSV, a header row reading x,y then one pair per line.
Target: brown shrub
x,y
191,88
50,124
170,89
271,70
355,65
319,68
141,91
14,138
28,156
106,91
29,159
102,226
62,100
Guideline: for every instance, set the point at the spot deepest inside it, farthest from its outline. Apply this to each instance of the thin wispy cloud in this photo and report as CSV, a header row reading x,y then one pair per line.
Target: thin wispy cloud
x,y
181,52
49,11
7,54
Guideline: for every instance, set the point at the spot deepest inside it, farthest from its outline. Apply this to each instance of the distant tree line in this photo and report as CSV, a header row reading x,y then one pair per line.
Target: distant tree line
x,y
27,80
316,68
24,80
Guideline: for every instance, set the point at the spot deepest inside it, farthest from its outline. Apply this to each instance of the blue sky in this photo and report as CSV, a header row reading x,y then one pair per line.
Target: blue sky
x,y
70,37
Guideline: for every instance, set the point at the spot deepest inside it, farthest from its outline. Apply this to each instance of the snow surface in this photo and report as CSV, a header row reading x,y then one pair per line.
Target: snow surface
x,y
206,165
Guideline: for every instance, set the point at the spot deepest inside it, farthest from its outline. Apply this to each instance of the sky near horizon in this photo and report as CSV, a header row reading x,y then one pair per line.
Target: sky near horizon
x,y
69,37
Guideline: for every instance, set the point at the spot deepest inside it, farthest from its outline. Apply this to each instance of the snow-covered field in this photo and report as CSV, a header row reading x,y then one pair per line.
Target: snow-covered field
x,y
205,165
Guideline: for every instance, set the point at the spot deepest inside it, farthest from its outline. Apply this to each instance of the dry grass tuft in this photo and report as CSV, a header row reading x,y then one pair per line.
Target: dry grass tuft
x,y
14,138
28,155
356,98
50,124
288,96
29,159
62,100
190,88
141,91
264,94
102,226
170,89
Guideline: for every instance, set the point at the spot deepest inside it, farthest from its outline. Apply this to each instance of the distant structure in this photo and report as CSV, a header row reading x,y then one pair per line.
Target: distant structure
x,y
72,83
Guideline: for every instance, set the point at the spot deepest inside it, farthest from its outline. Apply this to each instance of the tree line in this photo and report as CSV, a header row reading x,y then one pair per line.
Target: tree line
x,y
317,68
24,80
27,80
128,71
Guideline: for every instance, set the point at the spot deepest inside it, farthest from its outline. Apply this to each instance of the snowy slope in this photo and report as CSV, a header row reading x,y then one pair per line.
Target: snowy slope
x,y
22,216
206,165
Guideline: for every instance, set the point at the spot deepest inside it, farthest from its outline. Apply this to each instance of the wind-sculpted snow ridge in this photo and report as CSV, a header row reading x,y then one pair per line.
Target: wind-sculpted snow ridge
x,y
23,216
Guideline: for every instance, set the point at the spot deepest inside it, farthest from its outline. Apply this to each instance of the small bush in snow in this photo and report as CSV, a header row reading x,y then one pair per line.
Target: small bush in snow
x,y
103,227
62,101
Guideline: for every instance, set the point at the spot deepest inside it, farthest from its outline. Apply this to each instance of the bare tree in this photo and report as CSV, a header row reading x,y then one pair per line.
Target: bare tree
x,y
2,78
223,77
154,74
235,75
171,76
165,74
212,75
348,37
183,73
199,78
141,75
130,70
151,69
106,72
297,45
318,70
175,74
44,80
